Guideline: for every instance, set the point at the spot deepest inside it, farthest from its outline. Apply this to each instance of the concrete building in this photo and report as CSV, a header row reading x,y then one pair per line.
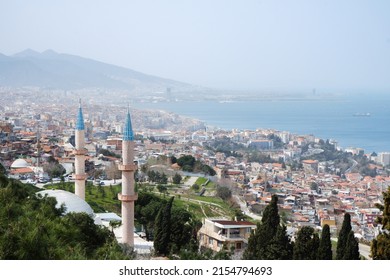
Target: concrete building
x,y
215,233
128,195
262,144
384,158
310,166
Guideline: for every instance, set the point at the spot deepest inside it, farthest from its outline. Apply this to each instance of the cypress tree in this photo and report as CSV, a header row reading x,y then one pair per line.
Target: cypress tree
x,y
315,244
325,248
269,241
306,244
271,218
280,247
352,248
162,229
343,236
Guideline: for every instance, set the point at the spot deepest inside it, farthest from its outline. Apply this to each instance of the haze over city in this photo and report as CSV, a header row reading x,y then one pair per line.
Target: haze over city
x,y
328,45
194,130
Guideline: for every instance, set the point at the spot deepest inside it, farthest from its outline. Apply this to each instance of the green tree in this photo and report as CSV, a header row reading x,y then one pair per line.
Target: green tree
x,y
315,246
161,188
343,236
380,246
173,159
269,237
181,229
31,227
314,186
280,247
162,230
325,248
351,248
176,179
2,169
306,244
146,210
186,160
163,179
195,187
207,170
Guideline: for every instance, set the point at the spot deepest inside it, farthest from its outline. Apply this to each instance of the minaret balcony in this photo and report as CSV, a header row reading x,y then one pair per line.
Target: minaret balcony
x,y
80,176
127,198
79,152
127,167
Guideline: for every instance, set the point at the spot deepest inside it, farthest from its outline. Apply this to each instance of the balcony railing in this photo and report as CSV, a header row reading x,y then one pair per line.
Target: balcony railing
x,y
233,236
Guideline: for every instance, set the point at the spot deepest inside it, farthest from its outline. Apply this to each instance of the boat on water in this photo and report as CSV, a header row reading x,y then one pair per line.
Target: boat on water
x,y
362,115
226,101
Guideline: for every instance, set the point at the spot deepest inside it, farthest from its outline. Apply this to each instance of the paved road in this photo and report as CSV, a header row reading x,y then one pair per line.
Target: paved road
x,y
354,164
245,209
191,181
364,250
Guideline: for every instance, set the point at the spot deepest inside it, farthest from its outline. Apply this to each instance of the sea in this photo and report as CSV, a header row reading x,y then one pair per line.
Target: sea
x,y
353,120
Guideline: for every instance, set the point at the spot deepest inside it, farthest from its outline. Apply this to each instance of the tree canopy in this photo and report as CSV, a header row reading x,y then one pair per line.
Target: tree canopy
x,y
306,244
352,247
343,236
151,211
190,164
325,247
269,241
176,179
347,244
162,229
32,227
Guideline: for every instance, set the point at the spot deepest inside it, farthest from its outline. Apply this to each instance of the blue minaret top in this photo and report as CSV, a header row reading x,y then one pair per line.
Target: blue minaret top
x,y
80,119
128,130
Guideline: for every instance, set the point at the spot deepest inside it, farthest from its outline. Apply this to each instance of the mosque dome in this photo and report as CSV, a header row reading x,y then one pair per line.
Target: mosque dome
x,y
19,163
72,202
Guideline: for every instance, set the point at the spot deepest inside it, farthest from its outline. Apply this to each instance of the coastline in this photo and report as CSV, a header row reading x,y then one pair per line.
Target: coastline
x,y
324,119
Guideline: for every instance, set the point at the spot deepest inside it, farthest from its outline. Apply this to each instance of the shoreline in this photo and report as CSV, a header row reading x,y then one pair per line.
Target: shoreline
x,y
223,125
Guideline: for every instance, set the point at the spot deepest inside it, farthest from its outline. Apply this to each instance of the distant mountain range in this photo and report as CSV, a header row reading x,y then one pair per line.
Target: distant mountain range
x,y
63,71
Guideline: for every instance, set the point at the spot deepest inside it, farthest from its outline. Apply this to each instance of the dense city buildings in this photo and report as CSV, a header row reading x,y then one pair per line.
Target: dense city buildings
x,y
315,180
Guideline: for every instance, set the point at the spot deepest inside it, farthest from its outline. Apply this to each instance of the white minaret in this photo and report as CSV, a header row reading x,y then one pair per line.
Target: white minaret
x,y
128,195
80,156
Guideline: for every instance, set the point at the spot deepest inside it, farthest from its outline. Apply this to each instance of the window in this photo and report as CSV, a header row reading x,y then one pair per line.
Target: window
x,y
238,246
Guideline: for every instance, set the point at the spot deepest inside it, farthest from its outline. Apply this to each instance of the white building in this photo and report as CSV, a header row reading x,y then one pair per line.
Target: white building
x,y
384,158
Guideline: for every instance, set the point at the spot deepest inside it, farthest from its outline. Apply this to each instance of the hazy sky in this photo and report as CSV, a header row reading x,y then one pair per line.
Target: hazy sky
x,y
328,44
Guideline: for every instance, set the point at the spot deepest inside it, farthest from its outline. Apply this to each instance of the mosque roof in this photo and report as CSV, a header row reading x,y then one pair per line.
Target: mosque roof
x,y
72,202
19,163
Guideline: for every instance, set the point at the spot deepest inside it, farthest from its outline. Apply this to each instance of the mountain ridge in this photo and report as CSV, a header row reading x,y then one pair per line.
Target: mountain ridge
x,y
67,71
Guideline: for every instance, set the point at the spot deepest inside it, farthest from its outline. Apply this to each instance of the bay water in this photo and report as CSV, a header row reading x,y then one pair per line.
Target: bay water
x,y
354,120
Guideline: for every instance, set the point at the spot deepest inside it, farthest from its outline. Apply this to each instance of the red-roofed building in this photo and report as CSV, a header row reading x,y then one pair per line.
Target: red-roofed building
x,y
23,171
